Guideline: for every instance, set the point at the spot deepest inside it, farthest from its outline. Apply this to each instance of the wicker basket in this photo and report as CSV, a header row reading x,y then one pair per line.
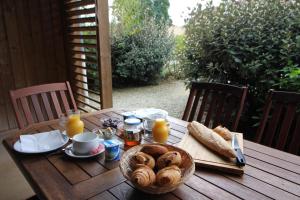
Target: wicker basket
x,y
187,168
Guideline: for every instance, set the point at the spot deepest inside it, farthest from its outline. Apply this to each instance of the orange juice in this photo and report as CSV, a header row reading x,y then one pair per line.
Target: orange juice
x,y
74,125
160,131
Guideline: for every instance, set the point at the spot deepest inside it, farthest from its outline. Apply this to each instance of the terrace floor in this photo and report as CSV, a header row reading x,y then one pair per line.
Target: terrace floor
x,y
169,95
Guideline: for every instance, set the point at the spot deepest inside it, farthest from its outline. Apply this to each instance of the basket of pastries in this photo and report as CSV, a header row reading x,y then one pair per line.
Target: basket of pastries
x,y
156,168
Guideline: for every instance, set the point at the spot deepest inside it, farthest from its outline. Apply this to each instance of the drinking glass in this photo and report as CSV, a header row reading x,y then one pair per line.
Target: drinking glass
x,y
74,124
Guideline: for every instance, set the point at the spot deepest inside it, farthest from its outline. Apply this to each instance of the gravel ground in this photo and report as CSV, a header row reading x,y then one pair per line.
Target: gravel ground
x,y
169,95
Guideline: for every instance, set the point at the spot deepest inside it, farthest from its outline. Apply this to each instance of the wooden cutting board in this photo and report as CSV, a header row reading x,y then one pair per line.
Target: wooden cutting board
x,y
207,158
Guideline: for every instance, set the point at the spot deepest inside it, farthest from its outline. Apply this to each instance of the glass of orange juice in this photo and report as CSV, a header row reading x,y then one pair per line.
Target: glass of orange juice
x,y
74,124
160,131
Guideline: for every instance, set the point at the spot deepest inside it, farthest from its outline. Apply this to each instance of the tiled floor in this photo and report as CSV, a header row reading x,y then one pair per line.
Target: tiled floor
x,y
13,185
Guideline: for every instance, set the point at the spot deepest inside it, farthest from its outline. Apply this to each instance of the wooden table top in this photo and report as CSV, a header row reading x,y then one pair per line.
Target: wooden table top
x,y
269,173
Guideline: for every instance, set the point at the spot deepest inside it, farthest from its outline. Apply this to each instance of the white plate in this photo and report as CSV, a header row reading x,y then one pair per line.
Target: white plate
x,y
17,147
69,152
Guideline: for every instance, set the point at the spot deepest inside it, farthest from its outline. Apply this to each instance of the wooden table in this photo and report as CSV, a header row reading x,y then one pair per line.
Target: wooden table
x,y
269,174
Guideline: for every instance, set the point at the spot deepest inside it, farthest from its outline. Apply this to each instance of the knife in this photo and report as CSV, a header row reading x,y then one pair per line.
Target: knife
x,y
240,158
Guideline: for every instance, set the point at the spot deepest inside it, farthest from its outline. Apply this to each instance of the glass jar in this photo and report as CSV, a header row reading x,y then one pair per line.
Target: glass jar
x,y
132,132
160,131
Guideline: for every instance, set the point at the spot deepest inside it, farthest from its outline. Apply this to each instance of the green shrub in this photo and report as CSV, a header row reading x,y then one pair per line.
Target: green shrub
x,y
139,57
174,66
254,43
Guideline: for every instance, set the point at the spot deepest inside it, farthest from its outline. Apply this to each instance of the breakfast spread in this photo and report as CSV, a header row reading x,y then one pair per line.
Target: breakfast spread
x,y
166,165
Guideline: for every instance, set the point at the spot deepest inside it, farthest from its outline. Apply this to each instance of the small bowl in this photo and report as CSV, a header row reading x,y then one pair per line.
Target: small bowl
x,y
105,133
109,122
187,169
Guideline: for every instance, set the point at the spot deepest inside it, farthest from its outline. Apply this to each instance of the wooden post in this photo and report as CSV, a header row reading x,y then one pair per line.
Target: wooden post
x,y
104,54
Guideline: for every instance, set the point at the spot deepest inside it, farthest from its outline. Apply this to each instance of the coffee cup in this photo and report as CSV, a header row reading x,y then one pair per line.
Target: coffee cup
x,y
84,143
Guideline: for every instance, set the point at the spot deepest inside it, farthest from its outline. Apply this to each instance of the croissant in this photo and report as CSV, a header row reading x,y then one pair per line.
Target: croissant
x,y
169,158
154,150
168,176
144,159
223,132
143,176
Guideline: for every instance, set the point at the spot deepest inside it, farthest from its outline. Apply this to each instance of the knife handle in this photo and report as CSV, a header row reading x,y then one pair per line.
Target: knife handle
x,y
240,159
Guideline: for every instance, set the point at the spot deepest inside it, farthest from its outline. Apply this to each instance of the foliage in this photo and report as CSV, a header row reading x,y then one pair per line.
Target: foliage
x,y
174,66
141,44
254,43
131,14
140,57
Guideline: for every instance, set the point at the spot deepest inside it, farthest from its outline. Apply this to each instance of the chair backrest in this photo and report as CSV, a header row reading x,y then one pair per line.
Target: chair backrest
x,y
280,123
215,104
42,102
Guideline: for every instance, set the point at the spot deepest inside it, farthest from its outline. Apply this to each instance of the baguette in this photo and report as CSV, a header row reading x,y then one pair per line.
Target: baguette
x,y
223,132
211,139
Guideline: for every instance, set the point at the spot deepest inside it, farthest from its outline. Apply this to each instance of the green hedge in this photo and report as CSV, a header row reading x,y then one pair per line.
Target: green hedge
x,y
139,57
254,43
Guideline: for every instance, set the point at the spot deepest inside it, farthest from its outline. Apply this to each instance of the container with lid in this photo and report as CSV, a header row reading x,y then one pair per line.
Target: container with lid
x,y
112,149
133,129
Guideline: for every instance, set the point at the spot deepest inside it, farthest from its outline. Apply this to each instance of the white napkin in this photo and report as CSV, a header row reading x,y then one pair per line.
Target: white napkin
x,y
41,141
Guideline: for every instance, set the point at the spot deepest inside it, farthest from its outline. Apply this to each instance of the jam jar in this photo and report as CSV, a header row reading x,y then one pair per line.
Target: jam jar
x,y
133,130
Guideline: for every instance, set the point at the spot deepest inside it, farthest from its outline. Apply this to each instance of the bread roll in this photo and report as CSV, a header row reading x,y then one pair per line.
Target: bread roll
x,y
143,176
141,158
154,150
211,139
169,158
223,132
168,176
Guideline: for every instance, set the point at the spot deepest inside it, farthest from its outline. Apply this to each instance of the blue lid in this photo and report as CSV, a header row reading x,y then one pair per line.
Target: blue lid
x,y
132,121
111,143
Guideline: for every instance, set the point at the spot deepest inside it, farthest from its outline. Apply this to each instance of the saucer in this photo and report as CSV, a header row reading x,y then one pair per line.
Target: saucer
x,y
69,152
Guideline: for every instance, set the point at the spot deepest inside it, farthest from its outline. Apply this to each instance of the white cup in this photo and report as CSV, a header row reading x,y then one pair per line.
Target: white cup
x,y
84,143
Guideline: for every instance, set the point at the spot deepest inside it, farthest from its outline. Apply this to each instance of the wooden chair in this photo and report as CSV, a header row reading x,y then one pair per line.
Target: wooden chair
x,y
42,102
280,124
220,104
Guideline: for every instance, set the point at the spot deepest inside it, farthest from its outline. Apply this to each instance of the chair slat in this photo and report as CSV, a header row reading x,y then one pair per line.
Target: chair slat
x,y
194,107
21,123
241,105
211,108
230,112
189,104
264,119
286,125
64,100
26,109
203,105
220,108
56,103
71,96
37,108
47,106
272,126
295,142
